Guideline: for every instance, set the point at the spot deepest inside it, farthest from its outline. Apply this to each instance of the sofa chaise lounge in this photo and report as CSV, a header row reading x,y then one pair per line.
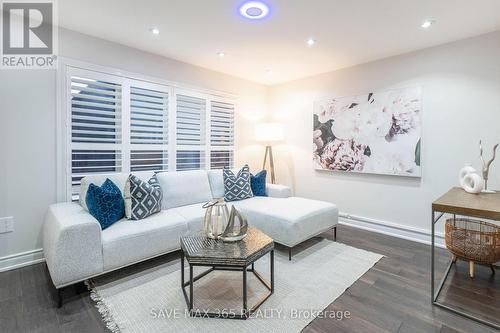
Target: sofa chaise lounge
x,y
76,248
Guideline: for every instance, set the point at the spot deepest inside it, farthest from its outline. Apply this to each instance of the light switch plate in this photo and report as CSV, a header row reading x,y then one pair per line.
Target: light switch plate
x,y
6,224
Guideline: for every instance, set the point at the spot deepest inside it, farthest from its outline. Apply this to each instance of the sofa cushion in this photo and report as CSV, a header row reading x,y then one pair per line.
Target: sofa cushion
x,y
118,178
278,191
237,186
126,241
193,214
105,203
216,180
184,188
142,198
289,221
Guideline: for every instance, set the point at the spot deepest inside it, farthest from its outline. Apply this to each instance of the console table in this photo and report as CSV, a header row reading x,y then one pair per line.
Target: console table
x,y
458,202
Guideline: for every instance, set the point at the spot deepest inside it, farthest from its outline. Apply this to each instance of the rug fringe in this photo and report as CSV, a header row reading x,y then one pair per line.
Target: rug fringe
x,y
103,309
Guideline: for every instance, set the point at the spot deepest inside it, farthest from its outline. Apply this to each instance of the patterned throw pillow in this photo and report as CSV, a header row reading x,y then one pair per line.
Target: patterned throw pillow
x,y
142,199
105,203
237,187
258,184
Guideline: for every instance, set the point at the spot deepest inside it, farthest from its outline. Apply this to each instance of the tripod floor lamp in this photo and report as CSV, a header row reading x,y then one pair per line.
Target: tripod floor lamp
x,y
269,133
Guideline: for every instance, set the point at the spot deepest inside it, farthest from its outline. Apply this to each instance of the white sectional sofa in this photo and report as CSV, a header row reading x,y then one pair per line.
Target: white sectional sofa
x,y
76,248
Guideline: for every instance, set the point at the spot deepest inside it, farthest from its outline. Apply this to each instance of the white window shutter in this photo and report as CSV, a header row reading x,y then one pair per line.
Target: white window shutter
x,y
221,124
148,129
95,111
221,134
96,128
190,132
221,158
120,124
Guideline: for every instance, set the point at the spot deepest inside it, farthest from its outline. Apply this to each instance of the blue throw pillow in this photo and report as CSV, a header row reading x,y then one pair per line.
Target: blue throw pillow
x,y
105,203
258,184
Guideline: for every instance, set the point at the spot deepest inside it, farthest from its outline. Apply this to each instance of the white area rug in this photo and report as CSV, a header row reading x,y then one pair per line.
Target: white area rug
x,y
152,301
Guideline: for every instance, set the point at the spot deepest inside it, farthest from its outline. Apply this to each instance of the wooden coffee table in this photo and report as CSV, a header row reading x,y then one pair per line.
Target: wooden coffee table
x,y
238,256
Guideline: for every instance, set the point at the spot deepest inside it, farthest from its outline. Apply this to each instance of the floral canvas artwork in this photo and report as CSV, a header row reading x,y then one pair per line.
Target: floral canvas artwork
x,y
376,133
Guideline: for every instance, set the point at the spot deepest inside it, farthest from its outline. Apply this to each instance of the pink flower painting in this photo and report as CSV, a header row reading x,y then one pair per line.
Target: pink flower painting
x,y
376,133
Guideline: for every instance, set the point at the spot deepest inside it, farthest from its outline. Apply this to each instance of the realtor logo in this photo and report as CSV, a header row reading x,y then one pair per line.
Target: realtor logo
x,y
28,31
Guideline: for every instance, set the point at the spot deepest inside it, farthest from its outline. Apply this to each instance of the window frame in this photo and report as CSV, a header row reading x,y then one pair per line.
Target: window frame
x,y
69,67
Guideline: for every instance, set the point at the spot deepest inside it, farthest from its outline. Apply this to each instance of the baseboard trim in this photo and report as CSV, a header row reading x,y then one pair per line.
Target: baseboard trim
x,y
22,259
391,229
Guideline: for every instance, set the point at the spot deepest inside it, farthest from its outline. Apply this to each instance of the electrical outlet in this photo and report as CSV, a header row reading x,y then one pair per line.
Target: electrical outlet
x,y
6,224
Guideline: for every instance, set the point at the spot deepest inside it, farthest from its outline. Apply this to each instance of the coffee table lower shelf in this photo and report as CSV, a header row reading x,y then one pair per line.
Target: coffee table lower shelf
x,y
245,312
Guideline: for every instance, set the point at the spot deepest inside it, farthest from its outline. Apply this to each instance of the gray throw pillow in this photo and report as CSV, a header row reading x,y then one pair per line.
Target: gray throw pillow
x,y
142,198
237,187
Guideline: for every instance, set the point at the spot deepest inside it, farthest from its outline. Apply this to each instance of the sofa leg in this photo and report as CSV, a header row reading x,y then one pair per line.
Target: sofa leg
x,y
289,254
59,298
335,234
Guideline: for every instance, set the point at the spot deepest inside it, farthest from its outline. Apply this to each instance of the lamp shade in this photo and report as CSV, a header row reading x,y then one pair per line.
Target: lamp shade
x,y
269,132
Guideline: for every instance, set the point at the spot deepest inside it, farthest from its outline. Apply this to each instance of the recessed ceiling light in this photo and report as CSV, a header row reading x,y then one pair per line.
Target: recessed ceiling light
x,y
254,10
221,54
427,24
154,31
311,42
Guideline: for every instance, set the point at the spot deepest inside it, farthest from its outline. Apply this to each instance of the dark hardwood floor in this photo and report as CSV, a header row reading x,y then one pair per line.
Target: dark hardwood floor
x,y
393,296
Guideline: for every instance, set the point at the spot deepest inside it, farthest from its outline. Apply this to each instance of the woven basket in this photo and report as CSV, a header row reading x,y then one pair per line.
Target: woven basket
x,y
474,240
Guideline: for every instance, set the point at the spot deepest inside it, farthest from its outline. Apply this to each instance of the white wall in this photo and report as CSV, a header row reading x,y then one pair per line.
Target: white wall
x,y
461,93
28,127
27,154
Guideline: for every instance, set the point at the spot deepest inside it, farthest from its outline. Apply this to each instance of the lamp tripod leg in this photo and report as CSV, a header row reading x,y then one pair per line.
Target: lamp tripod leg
x,y
269,151
265,158
271,162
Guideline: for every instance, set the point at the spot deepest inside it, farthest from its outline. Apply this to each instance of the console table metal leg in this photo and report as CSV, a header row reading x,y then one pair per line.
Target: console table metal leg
x,y
432,255
436,291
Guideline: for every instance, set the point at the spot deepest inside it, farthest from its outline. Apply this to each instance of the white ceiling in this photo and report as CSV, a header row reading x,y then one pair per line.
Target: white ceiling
x,y
348,32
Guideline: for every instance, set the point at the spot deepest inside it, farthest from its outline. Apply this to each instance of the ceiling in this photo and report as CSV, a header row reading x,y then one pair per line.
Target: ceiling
x,y
348,32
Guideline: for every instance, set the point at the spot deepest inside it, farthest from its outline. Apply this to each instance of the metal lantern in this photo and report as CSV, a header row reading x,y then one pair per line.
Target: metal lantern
x,y
216,218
